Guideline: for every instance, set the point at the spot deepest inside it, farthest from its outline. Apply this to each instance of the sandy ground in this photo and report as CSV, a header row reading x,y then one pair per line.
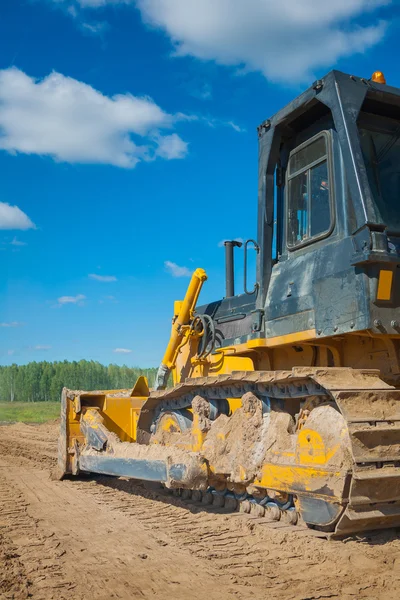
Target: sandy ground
x,y
102,538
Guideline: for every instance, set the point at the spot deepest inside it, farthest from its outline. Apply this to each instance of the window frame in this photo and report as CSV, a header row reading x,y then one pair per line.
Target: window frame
x,y
328,157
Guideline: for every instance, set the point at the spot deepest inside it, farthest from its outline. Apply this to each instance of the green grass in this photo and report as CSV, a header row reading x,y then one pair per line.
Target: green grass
x,y
29,412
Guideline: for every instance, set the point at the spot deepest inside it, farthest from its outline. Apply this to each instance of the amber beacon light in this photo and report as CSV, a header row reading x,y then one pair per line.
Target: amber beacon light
x,y
378,77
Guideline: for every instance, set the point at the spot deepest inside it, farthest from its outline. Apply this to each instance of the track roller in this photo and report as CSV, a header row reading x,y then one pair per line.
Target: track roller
x,y
245,507
257,510
196,495
291,516
231,503
207,498
273,512
218,500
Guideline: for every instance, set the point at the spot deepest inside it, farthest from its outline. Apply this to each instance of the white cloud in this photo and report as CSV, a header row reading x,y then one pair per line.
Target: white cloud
x,y
200,90
99,3
15,242
76,10
122,350
12,324
214,122
71,9
12,217
96,28
236,127
70,121
10,352
39,347
175,270
103,278
284,40
71,299
172,146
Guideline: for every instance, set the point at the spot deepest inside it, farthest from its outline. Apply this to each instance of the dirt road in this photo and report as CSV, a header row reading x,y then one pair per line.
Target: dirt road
x,y
104,538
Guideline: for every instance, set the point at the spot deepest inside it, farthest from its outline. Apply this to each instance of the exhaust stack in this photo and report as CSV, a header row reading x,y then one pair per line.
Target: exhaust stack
x,y
229,267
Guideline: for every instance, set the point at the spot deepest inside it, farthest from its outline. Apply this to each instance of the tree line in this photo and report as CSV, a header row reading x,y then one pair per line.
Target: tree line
x,y
43,381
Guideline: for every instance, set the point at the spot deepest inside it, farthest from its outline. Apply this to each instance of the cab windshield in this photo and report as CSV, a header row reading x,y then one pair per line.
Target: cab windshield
x,y
380,144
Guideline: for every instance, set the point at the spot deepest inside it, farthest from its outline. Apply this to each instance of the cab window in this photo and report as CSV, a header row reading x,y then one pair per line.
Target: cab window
x,y
308,192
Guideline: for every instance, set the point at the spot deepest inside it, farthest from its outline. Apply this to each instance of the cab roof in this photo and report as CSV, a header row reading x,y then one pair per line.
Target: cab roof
x,y
334,83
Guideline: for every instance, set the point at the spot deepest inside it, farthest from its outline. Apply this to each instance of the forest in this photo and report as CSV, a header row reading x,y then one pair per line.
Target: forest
x,y
43,381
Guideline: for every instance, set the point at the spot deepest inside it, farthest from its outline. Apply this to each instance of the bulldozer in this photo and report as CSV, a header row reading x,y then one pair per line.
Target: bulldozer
x,y
283,400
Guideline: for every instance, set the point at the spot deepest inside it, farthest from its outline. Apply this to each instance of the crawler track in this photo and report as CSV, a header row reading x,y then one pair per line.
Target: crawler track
x,y
371,410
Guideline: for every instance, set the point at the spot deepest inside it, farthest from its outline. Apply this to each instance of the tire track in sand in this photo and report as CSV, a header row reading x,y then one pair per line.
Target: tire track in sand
x,y
30,564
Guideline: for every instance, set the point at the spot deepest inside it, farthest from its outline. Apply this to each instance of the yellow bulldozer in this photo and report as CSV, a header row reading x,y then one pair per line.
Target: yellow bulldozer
x,y
285,398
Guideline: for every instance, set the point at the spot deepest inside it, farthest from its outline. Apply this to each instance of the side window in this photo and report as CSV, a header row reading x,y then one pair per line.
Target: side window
x,y
308,189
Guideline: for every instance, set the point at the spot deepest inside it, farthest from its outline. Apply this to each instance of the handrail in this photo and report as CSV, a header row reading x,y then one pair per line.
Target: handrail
x,y
257,249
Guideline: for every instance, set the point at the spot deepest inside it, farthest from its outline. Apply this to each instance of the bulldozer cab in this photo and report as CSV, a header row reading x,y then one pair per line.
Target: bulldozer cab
x,y
328,219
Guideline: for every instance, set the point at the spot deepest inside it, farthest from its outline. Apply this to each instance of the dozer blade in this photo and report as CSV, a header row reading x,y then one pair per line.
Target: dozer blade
x,y
119,408
96,449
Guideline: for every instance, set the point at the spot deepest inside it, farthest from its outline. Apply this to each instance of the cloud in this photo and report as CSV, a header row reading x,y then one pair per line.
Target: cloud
x,y
122,350
279,39
12,324
71,300
201,91
70,121
100,3
175,270
213,122
12,217
72,10
39,347
172,146
10,352
284,40
103,278
236,127
15,242
96,28
89,27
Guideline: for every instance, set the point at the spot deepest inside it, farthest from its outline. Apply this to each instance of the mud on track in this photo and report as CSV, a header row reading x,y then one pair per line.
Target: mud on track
x,y
102,538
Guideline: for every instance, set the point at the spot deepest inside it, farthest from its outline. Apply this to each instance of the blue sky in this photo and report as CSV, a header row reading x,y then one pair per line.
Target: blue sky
x,y
128,151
